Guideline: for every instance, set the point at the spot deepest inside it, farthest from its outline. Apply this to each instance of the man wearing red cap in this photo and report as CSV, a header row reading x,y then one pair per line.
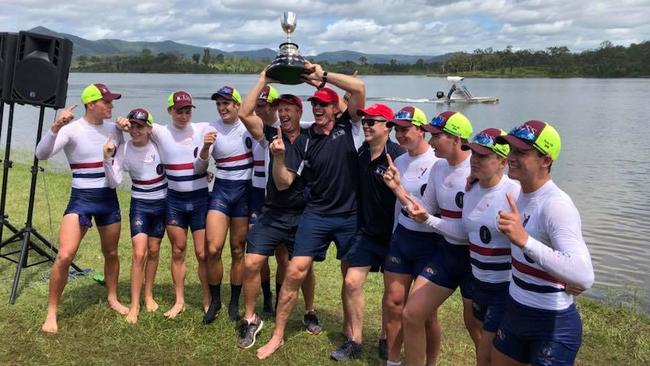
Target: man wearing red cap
x,y
91,197
376,214
328,163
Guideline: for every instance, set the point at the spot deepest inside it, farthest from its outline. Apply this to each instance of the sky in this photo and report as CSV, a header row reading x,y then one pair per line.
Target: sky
x,y
416,27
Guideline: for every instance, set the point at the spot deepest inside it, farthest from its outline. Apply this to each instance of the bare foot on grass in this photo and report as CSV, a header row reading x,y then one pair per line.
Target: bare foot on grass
x,y
151,304
132,316
268,349
176,310
49,325
118,307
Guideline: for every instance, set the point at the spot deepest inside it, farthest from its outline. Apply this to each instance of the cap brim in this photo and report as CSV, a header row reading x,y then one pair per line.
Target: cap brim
x,y
224,96
479,149
111,96
180,105
320,100
363,112
139,121
432,129
514,141
399,122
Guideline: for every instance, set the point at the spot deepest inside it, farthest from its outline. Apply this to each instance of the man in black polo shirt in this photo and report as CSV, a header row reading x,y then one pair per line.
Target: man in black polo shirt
x,y
376,214
329,167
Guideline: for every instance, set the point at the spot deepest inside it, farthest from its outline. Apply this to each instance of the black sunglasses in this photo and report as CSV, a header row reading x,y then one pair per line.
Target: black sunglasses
x,y
371,122
318,103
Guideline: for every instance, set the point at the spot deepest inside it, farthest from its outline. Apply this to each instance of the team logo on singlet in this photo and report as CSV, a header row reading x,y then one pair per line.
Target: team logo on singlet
x,y
196,151
485,235
459,199
422,189
160,169
248,142
526,218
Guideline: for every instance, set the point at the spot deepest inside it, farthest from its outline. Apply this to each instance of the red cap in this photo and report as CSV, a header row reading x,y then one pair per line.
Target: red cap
x,y
289,99
180,99
377,110
107,95
325,95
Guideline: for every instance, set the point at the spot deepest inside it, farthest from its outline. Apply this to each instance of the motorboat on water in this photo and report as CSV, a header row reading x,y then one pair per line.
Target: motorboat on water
x,y
458,93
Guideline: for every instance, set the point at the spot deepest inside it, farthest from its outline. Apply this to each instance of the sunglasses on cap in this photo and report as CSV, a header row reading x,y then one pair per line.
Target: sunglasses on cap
x,y
484,139
225,90
315,102
371,122
139,115
437,122
405,115
524,133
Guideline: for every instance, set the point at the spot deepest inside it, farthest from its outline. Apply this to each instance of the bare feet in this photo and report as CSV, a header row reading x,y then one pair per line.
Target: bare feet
x,y
132,316
49,325
118,307
268,349
176,310
151,304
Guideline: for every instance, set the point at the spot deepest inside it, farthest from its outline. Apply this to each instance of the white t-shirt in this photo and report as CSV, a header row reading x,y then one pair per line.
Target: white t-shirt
x,y
145,169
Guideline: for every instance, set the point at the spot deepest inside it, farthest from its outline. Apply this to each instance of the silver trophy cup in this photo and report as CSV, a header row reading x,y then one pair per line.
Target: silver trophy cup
x,y
288,66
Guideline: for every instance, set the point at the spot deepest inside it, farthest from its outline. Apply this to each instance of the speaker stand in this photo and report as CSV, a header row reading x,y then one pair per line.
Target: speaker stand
x,y
25,234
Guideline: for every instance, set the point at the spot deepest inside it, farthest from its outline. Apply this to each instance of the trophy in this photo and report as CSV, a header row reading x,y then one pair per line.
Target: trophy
x,y
288,66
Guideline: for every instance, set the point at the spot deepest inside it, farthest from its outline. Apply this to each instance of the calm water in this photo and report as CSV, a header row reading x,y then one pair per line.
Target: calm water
x,y
604,164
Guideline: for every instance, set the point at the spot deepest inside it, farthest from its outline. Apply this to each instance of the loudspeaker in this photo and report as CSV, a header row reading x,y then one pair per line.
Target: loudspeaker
x,y
41,69
7,56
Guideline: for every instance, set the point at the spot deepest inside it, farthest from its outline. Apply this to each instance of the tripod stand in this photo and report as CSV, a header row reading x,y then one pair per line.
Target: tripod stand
x,y
27,233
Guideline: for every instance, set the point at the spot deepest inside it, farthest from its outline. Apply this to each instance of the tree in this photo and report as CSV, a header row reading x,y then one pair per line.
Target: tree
x,y
196,57
207,59
363,60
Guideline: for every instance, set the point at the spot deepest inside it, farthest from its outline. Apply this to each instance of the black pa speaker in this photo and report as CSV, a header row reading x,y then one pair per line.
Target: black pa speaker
x,y
41,69
7,56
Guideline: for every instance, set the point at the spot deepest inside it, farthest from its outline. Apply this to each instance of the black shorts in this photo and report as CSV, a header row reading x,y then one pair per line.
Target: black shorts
x,y
273,227
365,252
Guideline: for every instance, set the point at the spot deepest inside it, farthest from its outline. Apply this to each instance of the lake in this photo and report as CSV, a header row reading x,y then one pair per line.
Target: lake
x,y
604,164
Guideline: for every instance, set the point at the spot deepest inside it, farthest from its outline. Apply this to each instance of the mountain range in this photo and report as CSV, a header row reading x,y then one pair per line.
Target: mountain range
x,y
105,47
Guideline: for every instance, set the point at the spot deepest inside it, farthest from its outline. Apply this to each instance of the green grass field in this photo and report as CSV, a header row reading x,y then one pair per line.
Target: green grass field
x,y
91,334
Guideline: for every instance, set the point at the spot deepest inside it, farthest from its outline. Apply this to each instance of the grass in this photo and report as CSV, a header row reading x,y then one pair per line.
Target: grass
x,y
91,334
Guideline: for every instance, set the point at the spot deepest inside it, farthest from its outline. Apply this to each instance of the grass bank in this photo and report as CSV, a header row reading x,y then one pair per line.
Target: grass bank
x,y
91,334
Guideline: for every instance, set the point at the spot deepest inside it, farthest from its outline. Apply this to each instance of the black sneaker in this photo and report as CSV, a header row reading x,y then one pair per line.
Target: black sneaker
x,y
310,320
248,332
349,350
212,312
382,348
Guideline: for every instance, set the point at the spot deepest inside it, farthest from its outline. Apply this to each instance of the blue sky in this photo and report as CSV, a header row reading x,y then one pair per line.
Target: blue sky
x,y
419,27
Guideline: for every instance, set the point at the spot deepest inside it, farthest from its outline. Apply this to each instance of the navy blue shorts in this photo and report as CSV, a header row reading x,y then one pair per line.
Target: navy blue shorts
x,y
316,232
539,337
273,228
98,203
410,251
187,209
256,204
451,268
148,217
489,302
231,197
365,252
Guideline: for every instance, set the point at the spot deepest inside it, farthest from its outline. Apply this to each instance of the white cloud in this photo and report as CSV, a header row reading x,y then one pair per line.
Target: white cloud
x,y
425,27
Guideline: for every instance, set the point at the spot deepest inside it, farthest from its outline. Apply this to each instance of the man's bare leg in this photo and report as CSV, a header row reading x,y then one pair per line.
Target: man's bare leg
x,y
153,256
178,238
70,235
109,236
296,273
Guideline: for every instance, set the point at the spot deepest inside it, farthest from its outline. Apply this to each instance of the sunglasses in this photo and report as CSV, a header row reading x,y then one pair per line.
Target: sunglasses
x,y
371,122
404,115
225,90
484,140
319,103
524,133
139,115
437,122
